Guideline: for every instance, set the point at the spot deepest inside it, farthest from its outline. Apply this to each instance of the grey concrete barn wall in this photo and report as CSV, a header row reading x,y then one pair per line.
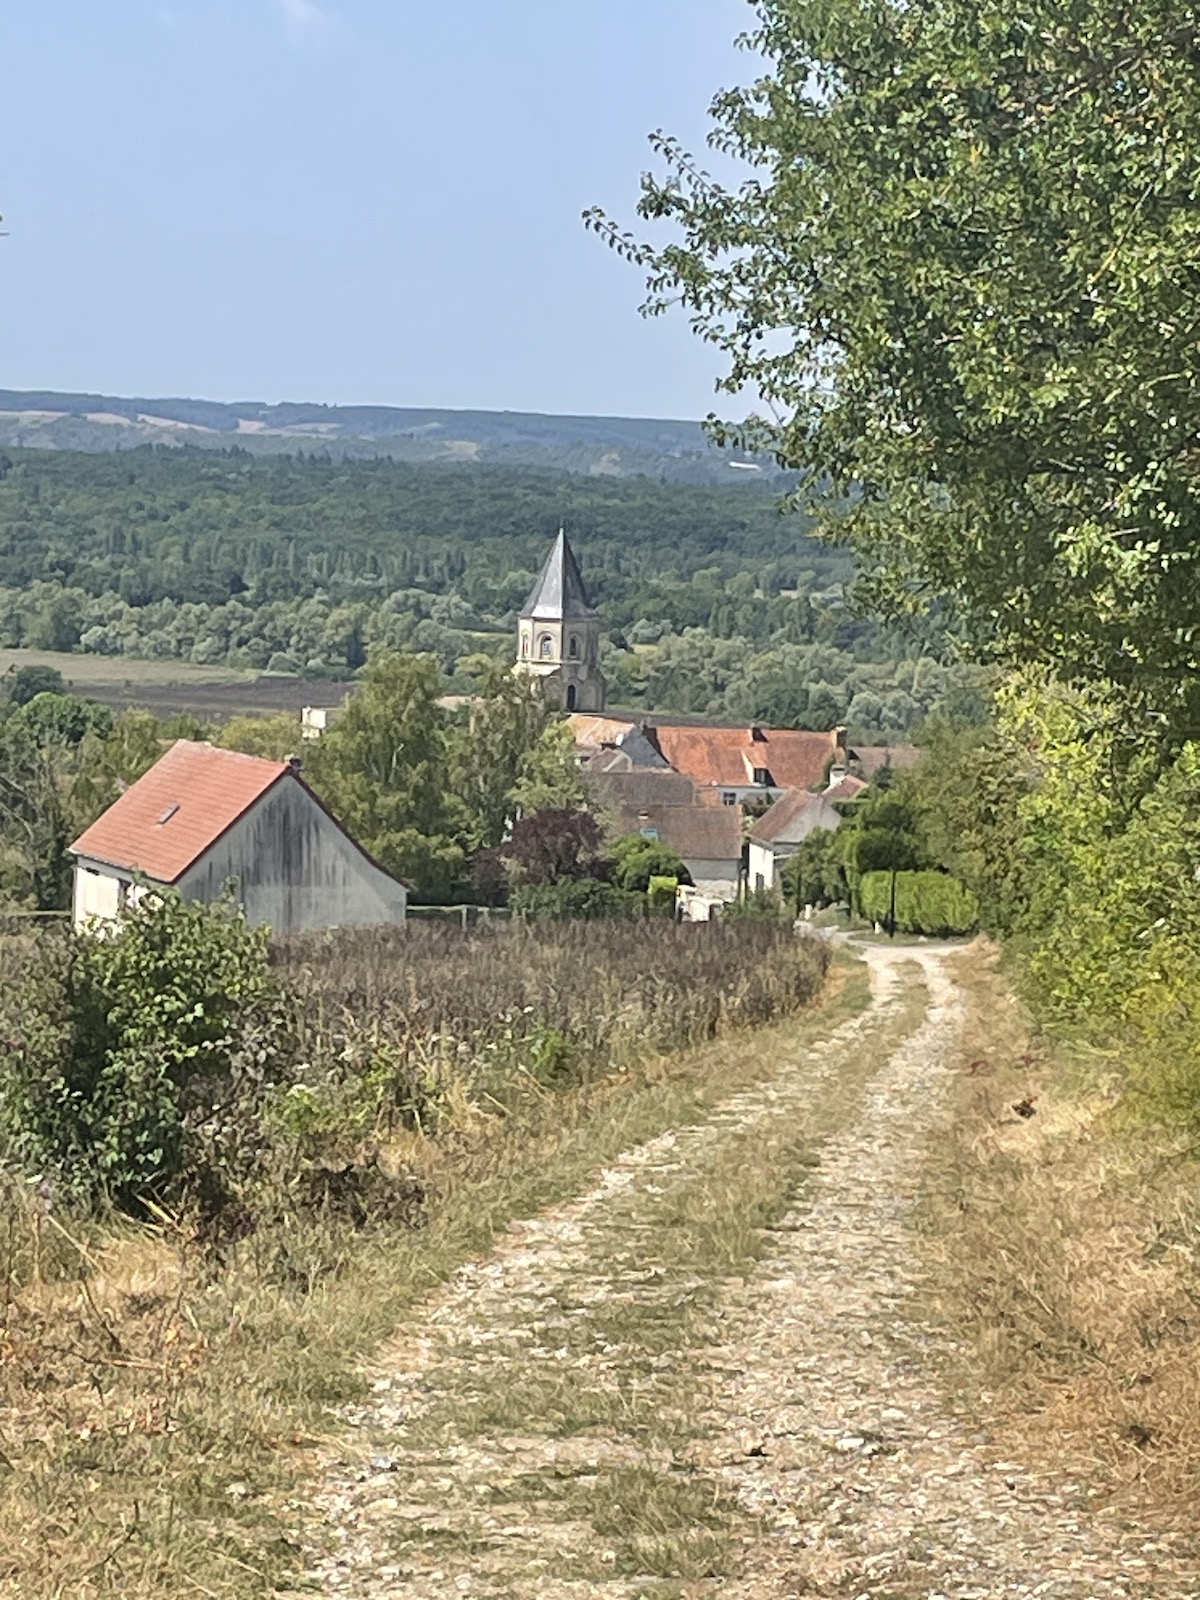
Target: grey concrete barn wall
x,y
294,868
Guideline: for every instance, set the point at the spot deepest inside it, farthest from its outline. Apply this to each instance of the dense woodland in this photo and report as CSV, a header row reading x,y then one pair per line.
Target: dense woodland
x,y
715,601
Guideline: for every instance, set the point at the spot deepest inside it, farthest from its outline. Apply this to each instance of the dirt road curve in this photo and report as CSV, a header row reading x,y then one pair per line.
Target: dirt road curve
x,y
710,1376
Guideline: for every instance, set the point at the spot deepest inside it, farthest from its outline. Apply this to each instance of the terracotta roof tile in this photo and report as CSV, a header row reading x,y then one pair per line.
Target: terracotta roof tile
x,y
176,811
870,757
847,788
795,758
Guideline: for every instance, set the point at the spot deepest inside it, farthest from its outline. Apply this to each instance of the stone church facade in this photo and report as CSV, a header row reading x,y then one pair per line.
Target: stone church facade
x,y
558,634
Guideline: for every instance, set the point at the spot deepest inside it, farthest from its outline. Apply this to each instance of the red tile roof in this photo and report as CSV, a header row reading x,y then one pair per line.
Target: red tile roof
x,y
870,757
847,788
176,811
728,757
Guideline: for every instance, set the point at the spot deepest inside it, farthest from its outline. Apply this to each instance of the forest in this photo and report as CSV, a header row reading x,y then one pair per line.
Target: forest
x,y
715,600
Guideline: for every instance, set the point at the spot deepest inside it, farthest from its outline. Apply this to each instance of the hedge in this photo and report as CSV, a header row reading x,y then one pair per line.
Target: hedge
x,y
926,902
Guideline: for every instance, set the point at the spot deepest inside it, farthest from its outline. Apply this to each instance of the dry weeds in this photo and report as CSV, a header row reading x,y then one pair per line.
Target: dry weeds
x,y
1067,1247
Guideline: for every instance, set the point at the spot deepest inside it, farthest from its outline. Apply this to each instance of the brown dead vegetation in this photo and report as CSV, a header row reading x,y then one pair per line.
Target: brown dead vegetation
x,y
1066,1240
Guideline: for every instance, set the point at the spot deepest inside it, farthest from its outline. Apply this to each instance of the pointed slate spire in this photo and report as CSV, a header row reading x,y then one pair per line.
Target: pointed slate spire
x,y
559,591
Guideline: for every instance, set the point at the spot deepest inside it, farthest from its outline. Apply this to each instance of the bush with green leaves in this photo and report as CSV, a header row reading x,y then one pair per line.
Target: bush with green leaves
x,y
571,899
926,902
639,860
760,905
140,1062
661,895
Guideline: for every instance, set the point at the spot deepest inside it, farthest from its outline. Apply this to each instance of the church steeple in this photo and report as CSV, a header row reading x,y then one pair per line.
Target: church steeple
x,y
558,634
559,591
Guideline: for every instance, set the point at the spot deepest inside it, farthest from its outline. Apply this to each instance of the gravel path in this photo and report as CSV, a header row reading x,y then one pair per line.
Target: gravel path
x,y
614,1403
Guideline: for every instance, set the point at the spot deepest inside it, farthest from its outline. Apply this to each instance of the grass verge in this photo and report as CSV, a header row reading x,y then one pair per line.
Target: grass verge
x,y
1066,1247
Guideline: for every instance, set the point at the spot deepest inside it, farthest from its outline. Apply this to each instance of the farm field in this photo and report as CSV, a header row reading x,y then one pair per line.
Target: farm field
x,y
169,688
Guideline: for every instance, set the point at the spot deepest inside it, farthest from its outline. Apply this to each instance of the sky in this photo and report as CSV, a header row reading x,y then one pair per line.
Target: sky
x,y
347,201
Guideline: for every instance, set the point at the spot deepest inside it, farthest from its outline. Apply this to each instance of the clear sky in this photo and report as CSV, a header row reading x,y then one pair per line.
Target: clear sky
x,y
371,201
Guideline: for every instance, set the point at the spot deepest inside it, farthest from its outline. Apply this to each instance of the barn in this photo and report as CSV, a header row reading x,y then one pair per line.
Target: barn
x,y
203,818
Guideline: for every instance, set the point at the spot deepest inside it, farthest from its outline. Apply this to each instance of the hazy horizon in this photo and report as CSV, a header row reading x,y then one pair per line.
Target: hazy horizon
x,y
353,202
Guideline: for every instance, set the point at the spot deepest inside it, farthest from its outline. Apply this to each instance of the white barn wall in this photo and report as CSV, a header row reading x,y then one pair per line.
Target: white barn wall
x,y
294,868
97,896
762,865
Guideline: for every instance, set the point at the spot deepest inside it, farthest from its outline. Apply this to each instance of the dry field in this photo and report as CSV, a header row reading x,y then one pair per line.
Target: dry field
x,y
169,687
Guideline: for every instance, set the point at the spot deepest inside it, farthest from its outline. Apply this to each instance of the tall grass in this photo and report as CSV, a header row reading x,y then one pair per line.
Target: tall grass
x,y
405,1027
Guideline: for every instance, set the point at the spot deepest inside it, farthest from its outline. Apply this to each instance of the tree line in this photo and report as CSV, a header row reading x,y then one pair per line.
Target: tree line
x,y
714,601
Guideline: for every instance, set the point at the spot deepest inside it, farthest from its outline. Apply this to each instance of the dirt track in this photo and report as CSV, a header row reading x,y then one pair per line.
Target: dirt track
x,y
686,1383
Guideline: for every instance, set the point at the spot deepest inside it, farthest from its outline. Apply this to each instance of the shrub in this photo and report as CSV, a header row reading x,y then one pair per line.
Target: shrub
x,y
660,895
639,860
926,902
760,905
574,898
139,1064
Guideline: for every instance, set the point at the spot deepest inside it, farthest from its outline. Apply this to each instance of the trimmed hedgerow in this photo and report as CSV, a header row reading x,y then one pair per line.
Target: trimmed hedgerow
x,y
926,902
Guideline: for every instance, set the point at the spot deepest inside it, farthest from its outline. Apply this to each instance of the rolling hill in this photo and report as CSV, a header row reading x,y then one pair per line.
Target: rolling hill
x,y
621,447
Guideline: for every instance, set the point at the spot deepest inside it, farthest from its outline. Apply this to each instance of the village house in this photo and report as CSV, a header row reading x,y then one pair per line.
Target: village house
x,y
204,818
731,765
663,805
781,831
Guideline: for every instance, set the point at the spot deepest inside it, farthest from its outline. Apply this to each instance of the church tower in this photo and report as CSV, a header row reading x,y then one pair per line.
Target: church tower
x,y
558,634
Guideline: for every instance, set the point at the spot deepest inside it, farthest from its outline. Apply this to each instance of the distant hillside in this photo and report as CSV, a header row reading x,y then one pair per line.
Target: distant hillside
x,y
621,447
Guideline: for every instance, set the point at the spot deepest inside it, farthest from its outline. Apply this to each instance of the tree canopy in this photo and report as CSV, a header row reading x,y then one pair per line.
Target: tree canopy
x,y
962,274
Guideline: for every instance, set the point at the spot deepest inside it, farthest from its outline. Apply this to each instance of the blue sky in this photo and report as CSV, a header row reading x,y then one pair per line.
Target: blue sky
x,y
369,201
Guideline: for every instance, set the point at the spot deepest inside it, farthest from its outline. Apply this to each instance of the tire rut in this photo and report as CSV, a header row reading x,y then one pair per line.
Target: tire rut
x,y
599,1408
441,1488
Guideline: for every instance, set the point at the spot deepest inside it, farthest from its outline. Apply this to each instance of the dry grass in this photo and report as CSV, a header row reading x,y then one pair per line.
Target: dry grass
x,y
156,1411
1067,1247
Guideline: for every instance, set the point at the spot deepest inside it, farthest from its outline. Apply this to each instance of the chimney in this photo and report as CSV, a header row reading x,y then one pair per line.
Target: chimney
x,y
757,736
294,763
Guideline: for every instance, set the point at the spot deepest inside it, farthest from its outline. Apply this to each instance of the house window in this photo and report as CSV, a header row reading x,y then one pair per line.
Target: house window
x,y
546,647
571,697
761,775
729,797
524,647
573,652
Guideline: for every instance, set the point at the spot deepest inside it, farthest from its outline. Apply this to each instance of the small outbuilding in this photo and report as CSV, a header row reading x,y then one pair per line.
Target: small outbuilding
x,y
203,818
